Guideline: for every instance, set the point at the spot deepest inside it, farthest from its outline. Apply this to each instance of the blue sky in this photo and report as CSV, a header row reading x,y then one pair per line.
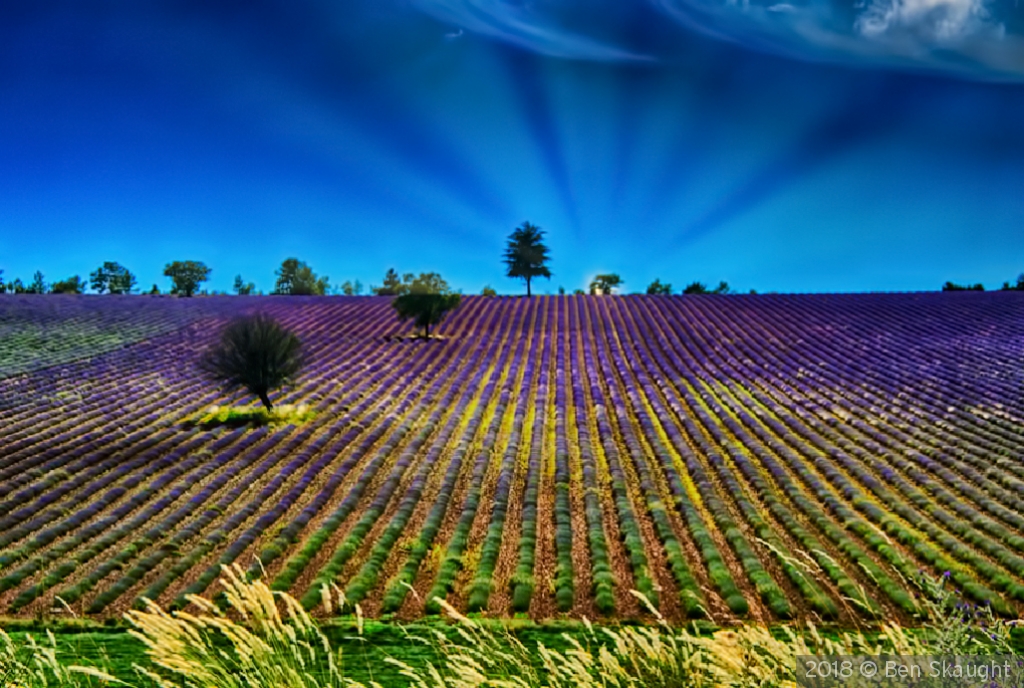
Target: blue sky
x,y
789,146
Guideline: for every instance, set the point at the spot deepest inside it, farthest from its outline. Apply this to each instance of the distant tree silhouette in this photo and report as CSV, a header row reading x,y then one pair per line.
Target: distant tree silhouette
x,y
112,277
526,255
1018,286
951,286
606,284
38,285
186,276
72,285
722,288
488,290
392,285
350,288
298,279
427,301
243,288
695,288
257,353
657,288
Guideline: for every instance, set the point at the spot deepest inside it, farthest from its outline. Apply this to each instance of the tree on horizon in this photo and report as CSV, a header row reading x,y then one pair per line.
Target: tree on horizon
x,y
243,288
298,279
526,254
659,289
112,277
72,285
186,276
606,284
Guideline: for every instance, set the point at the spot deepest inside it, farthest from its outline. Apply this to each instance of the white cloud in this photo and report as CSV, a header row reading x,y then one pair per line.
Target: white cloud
x,y
938,21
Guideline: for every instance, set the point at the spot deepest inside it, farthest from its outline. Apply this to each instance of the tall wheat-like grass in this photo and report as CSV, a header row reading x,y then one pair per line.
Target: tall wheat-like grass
x,y
261,647
656,656
34,664
265,639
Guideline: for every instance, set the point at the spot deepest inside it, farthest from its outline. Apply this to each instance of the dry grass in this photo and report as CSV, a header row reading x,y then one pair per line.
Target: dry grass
x,y
264,639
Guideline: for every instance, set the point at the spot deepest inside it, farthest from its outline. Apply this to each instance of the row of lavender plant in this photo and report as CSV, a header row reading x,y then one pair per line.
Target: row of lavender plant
x,y
925,525
769,591
677,362
397,589
453,559
619,375
476,397
443,370
171,547
482,584
523,580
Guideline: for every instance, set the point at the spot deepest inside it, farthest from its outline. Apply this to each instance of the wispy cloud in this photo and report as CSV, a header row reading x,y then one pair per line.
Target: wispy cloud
x,y
966,38
526,26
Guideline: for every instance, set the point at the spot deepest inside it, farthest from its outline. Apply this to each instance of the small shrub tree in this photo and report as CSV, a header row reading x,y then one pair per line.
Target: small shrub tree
x,y
488,290
695,288
72,285
186,276
113,278
298,279
428,300
606,284
659,289
392,285
243,288
257,353
952,286
38,285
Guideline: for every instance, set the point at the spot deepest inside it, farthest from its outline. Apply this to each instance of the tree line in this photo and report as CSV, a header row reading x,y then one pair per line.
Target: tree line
x,y
526,257
978,286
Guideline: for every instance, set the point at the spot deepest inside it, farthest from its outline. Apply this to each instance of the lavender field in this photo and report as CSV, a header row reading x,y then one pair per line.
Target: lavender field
x,y
765,457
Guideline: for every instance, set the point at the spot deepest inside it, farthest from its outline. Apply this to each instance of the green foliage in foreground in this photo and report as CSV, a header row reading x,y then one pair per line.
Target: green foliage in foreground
x,y
278,644
233,417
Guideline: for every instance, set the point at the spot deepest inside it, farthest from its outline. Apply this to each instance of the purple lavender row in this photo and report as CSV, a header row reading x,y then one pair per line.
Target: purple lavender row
x,y
311,546
482,584
367,576
84,515
995,574
523,581
210,514
603,577
879,370
657,367
117,525
135,480
628,522
564,581
395,594
883,439
329,572
153,535
184,563
684,369
246,539
751,563
453,560
290,533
